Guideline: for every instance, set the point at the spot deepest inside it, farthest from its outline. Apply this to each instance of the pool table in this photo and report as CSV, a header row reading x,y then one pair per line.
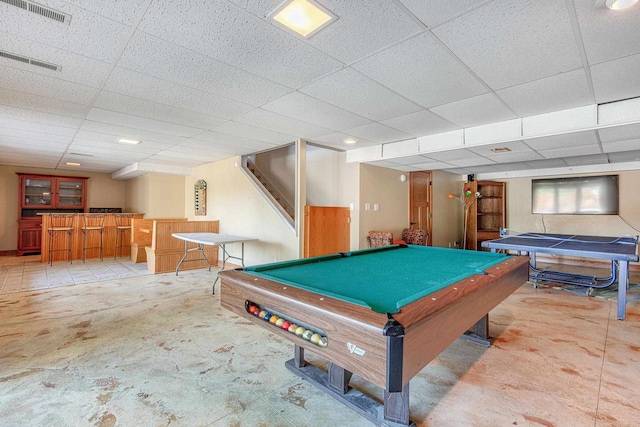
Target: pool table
x,y
382,314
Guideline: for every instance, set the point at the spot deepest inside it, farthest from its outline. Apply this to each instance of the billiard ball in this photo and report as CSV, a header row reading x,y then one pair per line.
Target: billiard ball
x,y
315,338
267,317
307,334
262,314
279,322
293,328
273,319
299,331
285,325
253,309
323,342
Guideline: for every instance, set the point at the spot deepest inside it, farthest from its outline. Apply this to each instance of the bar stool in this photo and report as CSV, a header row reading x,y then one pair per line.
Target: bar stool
x,y
123,224
91,222
58,224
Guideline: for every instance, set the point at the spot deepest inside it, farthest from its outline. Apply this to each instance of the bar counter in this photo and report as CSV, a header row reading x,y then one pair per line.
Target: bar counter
x,y
93,239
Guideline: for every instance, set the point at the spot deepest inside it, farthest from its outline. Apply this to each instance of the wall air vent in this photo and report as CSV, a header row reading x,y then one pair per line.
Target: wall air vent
x,y
26,60
40,10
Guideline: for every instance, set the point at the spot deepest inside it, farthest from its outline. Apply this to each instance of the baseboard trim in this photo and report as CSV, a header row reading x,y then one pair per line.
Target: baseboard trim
x,y
8,253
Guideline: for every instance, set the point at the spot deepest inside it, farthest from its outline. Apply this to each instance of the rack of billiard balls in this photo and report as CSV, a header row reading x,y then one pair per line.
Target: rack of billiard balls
x,y
287,325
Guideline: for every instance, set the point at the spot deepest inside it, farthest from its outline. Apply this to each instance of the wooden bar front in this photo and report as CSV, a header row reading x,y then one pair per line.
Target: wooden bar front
x,y
93,240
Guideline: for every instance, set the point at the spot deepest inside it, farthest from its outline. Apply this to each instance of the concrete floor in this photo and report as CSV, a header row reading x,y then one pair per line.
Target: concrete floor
x,y
158,350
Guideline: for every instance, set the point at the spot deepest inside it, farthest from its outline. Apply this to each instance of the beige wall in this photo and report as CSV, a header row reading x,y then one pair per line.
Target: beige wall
x,y
520,218
102,192
156,195
382,186
242,211
447,225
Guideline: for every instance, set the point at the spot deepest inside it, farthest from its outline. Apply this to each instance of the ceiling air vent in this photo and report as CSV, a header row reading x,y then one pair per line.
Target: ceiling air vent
x,y
40,10
29,60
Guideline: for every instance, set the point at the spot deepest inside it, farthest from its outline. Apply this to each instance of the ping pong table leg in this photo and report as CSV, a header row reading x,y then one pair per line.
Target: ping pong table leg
x,y
623,280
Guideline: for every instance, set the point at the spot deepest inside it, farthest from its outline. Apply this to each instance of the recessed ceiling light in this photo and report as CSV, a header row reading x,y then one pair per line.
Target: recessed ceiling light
x,y
500,150
129,141
615,4
304,17
350,141
72,164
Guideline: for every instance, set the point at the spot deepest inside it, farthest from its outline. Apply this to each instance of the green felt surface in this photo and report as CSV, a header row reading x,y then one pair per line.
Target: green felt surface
x,y
384,279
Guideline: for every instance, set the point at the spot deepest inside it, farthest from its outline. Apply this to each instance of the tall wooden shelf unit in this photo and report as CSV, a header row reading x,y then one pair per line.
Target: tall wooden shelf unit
x,y
488,214
46,194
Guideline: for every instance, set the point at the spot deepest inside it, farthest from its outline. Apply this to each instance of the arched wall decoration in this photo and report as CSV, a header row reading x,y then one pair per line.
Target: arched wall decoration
x,y
200,197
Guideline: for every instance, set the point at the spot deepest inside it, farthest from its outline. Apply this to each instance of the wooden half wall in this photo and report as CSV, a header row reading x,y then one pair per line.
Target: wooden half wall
x,y
165,251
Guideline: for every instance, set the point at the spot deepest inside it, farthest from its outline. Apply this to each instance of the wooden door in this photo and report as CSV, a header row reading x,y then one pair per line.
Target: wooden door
x,y
420,209
326,230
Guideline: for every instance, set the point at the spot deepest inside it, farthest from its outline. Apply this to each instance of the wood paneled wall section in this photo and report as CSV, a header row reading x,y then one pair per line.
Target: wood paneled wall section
x,y
93,239
165,251
141,236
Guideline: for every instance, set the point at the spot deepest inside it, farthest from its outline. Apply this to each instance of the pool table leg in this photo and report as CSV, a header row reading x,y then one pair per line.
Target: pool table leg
x,y
480,333
396,406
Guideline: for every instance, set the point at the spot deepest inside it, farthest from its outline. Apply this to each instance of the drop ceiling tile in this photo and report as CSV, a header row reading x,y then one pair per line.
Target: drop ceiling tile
x,y
475,111
617,146
39,117
126,120
484,169
510,42
102,140
409,160
620,133
607,34
630,156
558,92
433,165
47,86
125,12
594,159
434,12
37,127
564,140
138,85
74,68
257,134
155,57
582,150
485,149
34,136
129,132
191,155
393,150
279,123
211,28
420,123
227,143
460,171
547,164
210,104
32,143
465,163
128,105
617,79
383,164
336,139
351,37
357,93
305,108
23,100
378,133
87,34
455,155
423,71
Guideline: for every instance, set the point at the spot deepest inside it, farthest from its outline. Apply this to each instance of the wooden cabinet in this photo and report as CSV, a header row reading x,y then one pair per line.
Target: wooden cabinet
x,y
487,215
46,194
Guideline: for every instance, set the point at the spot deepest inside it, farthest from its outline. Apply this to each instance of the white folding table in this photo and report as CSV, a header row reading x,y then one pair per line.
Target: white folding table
x,y
211,239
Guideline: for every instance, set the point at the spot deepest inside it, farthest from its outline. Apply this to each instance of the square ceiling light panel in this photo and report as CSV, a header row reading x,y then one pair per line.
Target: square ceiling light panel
x,y
303,17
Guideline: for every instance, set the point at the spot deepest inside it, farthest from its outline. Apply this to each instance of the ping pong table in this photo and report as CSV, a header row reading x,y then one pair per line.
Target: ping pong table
x,y
202,239
619,250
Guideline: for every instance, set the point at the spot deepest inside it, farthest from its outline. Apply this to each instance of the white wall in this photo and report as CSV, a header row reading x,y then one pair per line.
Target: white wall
x,y
520,218
242,210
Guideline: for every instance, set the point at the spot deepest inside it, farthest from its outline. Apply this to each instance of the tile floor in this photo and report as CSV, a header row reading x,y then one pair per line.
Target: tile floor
x,y
27,273
158,350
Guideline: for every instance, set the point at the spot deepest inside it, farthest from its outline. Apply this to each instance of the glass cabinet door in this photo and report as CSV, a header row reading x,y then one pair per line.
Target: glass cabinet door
x,y
70,193
37,192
